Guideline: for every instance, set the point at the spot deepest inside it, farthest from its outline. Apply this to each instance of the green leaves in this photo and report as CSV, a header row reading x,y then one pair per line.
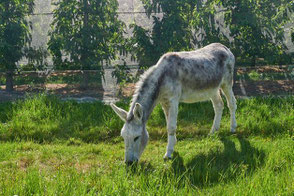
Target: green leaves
x,y
257,27
87,32
252,29
171,32
14,35
14,31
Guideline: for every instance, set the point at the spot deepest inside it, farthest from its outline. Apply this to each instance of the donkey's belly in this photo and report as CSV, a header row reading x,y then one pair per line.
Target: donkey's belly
x,y
191,96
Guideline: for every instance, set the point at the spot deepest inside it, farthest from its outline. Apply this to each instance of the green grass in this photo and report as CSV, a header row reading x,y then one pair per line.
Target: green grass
x,y
256,76
218,165
95,78
75,78
50,147
46,118
43,118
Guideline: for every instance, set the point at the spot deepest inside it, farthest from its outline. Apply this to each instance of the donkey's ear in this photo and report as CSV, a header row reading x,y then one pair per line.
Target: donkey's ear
x,y
138,112
120,112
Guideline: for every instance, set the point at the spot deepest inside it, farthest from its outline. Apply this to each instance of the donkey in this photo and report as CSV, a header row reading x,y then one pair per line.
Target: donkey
x,y
178,77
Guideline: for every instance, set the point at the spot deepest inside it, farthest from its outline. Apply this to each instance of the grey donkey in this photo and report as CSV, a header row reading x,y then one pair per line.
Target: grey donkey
x,y
178,77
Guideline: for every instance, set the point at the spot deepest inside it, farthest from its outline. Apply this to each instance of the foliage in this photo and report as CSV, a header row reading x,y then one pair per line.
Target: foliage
x,y
206,25
171,32
142,47
85,34
123,74
36,59
14,34
257,28
252,29
253,75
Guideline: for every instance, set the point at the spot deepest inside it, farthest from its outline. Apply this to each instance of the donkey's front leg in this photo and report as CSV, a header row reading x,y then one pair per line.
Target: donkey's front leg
x,y
218,106
171,128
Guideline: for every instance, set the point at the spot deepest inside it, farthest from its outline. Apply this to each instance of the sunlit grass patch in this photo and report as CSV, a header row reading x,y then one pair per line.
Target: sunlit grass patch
x,y
212,165
50,147
44,118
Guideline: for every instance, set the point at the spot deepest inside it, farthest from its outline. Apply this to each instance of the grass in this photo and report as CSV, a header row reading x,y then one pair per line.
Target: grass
x,y
50,147
256,76
31,79
95,78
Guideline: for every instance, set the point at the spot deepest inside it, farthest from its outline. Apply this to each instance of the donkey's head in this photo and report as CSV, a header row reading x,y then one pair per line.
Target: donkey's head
x,y
134,132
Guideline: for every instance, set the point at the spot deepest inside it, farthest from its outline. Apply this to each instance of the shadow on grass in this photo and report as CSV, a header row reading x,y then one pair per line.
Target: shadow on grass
x,y
218,166
42,118
140,168
161,134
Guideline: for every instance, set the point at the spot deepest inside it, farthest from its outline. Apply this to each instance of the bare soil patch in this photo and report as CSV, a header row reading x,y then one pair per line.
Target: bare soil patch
x,y
264,69
247,88
241,88
257,88
62,90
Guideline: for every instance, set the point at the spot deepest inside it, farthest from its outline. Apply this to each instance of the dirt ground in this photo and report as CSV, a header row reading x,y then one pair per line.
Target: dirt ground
x,y
249,88
241,89
257,88
62,90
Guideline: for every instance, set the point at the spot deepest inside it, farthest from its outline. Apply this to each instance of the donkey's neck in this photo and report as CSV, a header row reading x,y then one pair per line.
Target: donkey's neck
x,y
147,91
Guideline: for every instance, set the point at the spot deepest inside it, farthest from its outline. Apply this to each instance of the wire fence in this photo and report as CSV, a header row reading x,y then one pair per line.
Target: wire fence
x,y
265,80
249,81
129,11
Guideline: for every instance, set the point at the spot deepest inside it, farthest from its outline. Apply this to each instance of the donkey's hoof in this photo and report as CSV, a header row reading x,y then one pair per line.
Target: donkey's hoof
x,y
233,130
166,157
233,127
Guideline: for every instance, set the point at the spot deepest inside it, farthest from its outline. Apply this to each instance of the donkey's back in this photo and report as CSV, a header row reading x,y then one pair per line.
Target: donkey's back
x,y
197,75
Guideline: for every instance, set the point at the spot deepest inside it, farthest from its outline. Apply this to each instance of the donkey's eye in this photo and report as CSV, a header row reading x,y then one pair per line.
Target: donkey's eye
x,y
136,138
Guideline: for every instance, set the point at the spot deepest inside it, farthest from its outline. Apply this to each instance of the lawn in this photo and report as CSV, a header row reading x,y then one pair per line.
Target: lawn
x,y
51,147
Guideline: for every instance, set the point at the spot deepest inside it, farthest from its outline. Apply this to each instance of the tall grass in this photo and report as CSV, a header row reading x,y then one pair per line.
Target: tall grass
x,y
44,118
210,166
54,147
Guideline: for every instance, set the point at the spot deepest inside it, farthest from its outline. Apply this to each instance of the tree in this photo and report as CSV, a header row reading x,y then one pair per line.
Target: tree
x,y
14,35
171,32
206,25
36,57
251,28
257,28
86,34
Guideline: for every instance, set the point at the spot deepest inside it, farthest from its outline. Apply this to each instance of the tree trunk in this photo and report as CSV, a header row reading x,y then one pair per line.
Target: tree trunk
x,y
253,61
9,81
85,82
84,55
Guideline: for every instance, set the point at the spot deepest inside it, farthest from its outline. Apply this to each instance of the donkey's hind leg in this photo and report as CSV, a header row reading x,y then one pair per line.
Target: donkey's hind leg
x,y
231,101
218,106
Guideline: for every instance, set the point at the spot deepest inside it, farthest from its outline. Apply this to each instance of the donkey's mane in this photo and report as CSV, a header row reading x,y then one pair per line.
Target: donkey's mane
x,y
146,91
